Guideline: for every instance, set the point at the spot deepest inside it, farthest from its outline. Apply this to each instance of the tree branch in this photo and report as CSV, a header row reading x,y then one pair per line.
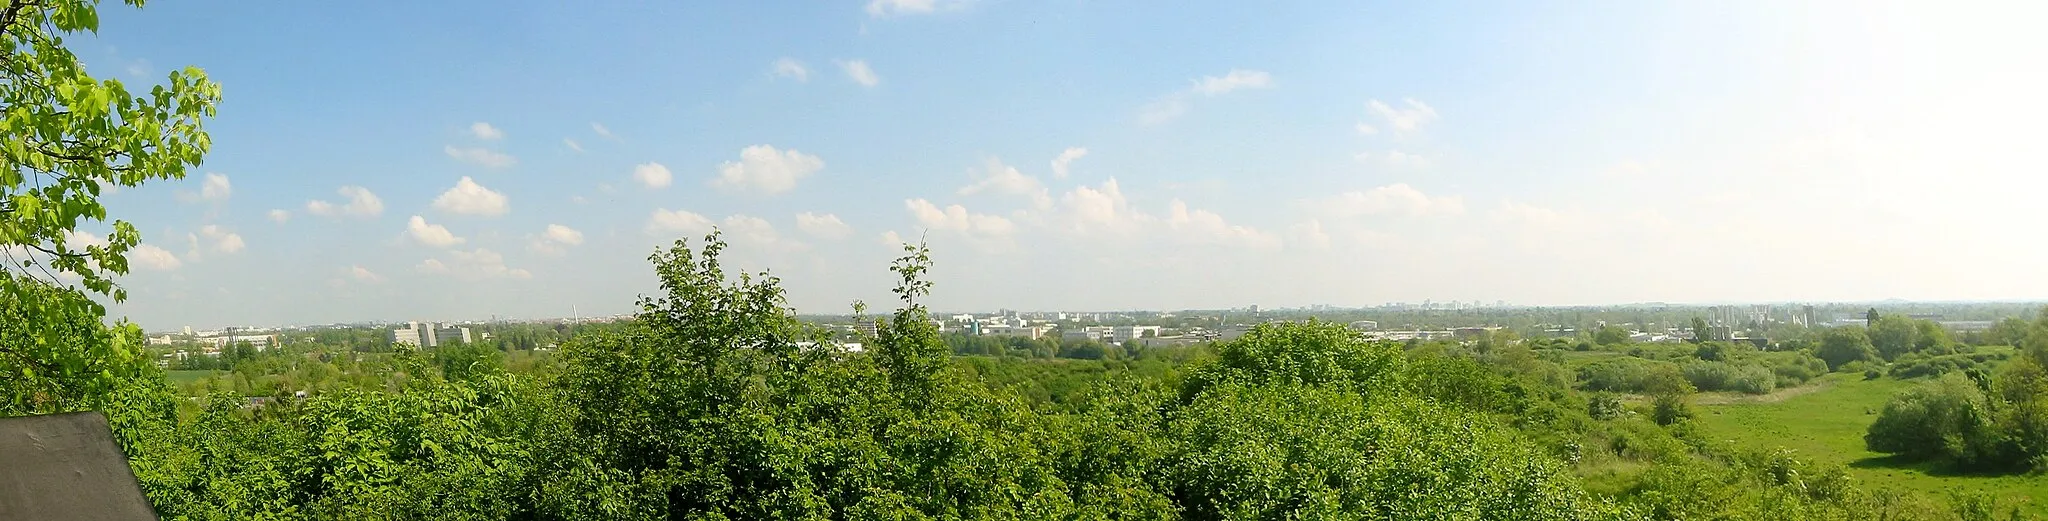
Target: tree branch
x,y
47,251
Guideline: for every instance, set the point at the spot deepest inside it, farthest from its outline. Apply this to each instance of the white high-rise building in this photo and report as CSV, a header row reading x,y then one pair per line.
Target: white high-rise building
x,y
429,334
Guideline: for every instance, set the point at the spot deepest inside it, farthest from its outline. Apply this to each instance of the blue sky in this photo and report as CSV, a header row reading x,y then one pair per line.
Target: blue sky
x,y
1219,154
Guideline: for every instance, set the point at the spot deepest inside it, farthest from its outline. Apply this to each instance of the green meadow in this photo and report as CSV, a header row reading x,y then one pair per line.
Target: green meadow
x,y
1825,421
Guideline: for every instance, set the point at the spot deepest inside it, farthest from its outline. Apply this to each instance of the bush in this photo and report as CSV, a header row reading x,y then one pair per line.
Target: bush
x,y
1670,408
1946,418
1605,406
1797,368
1724,376
1621,374
1915,365
1844,345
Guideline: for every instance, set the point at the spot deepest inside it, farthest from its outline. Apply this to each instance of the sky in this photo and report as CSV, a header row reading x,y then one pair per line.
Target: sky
x,y
464,160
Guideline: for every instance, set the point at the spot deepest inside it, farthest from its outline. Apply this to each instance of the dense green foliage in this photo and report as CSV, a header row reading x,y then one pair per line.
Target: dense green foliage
x,y
717,402
1971,417
1947,417
64,137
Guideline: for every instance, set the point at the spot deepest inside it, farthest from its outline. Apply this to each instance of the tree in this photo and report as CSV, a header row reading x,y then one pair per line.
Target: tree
x,y
1929,337
1870,318
1670,395
2009,331
1699,330
66,137
1839,346
1610,335
1893,335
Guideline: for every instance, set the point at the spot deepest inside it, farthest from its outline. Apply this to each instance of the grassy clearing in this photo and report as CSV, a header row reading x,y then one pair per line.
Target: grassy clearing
x,y
182,377
1827,424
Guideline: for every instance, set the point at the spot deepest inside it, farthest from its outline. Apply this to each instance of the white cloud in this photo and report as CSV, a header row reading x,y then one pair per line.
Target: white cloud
x,y
480,156
825,226
1067,157
1174,104
75,240
763,169
1100,209
430,234
892,239
470,198
792,69
573,145
555,239
600,129
749,229
485,131
1234,80
221,240
1367,130
150,257
279,215
884,8
1207,228
474,265
652,175
563,234
1004,179
1404,119
216,188
1399,158
1163,110
859,72
361,203
1309,234
673,222
957,218
1394,199
362,274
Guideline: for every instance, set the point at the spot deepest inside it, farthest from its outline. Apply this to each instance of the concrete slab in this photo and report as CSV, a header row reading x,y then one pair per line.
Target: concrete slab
x,y
61,467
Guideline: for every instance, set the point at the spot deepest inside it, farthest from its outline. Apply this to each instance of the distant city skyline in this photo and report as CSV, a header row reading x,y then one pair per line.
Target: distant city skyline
x,y
1789,307
523,158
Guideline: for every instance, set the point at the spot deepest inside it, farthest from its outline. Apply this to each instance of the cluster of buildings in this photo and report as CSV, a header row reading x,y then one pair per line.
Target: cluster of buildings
x,y
1005,322
1111,334
428,334
1431,305
212,341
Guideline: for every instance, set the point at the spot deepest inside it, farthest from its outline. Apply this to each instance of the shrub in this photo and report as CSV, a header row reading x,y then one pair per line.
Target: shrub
x,y
1724,376
1670,408
1798,369
1844,345
1605,406
1945,418
1621,374
1915,365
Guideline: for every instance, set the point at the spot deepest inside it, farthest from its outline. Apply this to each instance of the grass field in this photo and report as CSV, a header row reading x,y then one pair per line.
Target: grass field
x,y
186,377
1827,424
